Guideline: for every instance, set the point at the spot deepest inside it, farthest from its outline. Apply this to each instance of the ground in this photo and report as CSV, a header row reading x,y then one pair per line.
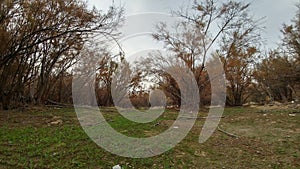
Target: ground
x,y
53,138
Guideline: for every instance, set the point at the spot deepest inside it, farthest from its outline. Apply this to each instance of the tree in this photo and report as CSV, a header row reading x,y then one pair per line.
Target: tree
x,y
291,42
238,52
273,76
200,31
42,39
291,39
279,73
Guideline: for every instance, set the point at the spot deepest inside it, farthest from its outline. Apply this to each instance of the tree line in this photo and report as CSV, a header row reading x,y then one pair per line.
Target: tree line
x,y
41,41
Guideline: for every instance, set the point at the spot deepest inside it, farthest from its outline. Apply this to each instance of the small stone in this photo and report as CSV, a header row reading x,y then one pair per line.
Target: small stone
x,y
57,117
57,122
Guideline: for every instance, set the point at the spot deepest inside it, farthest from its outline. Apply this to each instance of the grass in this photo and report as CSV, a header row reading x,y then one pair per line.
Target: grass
x,y
267,140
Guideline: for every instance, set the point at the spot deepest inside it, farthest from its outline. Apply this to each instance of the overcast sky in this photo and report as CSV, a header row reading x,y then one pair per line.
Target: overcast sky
x,y
276,12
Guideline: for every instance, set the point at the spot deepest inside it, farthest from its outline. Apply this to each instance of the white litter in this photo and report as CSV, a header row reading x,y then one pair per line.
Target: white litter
x,y
117,167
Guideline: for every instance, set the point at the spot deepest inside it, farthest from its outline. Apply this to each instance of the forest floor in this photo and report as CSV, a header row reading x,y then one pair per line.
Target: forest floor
x,y
53,138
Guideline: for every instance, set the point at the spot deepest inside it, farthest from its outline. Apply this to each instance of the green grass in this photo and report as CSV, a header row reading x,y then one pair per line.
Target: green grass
x,y
28,140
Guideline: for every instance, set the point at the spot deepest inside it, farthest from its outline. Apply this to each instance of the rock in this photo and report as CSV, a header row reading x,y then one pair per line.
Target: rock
x,y
253,106
277,103
56,117
157,124
200,154
57,122
292,115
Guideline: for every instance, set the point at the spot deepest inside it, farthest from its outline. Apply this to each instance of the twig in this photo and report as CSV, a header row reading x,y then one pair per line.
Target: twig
x,y
215,117
151,151
227,133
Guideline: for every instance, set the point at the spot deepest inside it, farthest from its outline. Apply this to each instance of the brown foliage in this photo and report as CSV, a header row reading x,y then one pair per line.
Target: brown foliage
x,y
42,39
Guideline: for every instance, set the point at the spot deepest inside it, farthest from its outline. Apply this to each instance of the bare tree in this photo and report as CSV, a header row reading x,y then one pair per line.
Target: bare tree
x,y
200,32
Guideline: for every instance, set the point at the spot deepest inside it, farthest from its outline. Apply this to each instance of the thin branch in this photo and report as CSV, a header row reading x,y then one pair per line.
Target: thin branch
x,y
227,133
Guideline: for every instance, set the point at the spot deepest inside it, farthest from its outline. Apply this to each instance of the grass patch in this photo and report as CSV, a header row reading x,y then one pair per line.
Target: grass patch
x,y
29,140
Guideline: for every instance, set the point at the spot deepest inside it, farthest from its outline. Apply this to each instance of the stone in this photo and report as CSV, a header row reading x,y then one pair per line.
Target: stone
x,y
57,122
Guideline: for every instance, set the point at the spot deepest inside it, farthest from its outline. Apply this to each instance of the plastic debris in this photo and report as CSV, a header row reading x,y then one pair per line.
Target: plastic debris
x,y
117,167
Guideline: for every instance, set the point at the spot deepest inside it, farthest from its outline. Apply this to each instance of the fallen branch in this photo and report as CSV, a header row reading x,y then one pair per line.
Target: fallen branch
x,y
9,144
215,117
227,133
57,104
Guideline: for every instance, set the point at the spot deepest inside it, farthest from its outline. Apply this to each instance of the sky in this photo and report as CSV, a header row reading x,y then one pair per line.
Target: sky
x,y
276,12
